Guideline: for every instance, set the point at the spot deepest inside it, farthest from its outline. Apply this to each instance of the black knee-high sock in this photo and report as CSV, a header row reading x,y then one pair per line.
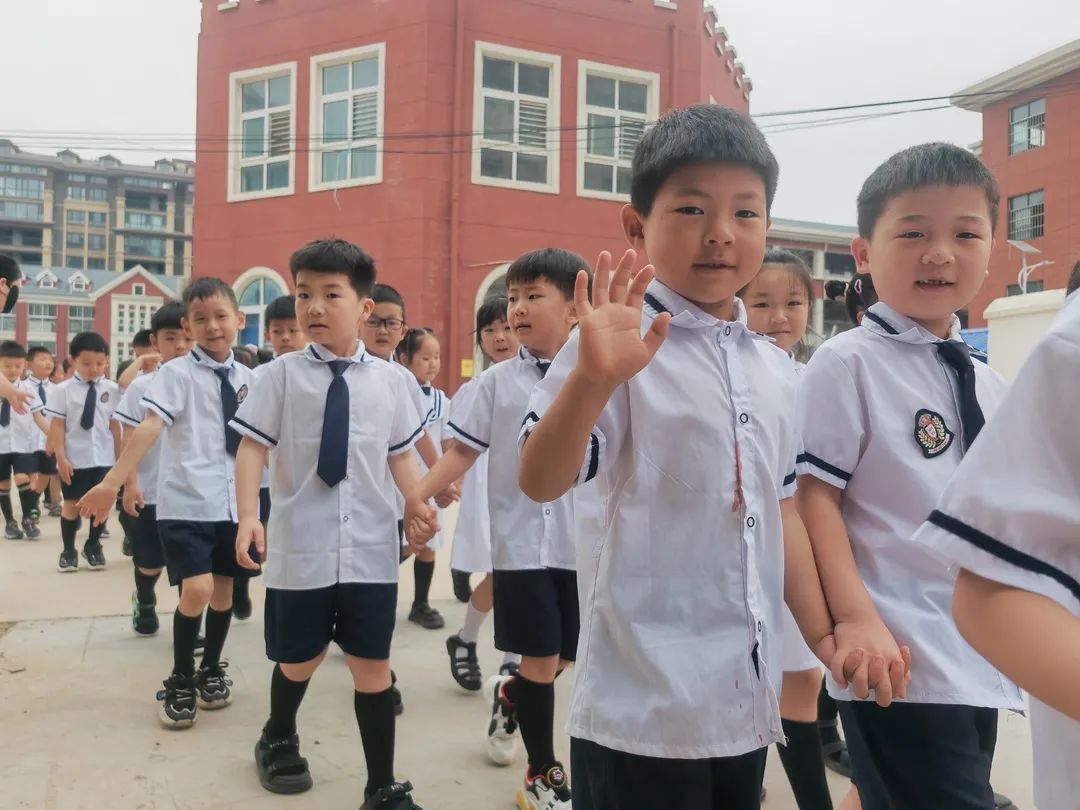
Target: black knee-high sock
x,y
827,716
185,629
422,574
28,500
217,628
285,698
69,527
5,505
94,540
375,717
240,588
805,766
534,705
144,587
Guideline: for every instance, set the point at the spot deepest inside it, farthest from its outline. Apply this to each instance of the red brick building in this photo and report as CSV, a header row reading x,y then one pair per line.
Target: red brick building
x,y
445,136
1031,141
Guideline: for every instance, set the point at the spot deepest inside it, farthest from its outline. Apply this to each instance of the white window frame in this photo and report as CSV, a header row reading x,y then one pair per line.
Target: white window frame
x,y
652,112
71,318
316,148
236,161
549,60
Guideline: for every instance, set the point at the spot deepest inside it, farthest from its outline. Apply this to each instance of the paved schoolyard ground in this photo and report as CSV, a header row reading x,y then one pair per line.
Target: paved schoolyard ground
x,y
79,729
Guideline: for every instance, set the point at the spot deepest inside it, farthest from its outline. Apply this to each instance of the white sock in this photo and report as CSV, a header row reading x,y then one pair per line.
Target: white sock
x,y
511,658
474,620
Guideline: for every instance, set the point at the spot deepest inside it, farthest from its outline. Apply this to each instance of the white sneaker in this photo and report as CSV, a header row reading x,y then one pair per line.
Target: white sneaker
x,y
502,740
546,791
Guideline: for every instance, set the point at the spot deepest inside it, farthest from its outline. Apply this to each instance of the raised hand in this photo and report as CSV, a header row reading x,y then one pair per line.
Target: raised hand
x,y
611,348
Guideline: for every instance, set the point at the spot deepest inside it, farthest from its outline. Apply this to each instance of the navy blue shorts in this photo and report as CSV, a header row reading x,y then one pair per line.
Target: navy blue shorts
x,y
359,616
536,612
606,779
193,548
912,756
82,481
146,548
37,462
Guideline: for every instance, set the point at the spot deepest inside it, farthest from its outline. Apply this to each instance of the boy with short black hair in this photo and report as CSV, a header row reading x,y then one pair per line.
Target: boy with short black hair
x,y
85,440
282,329
532,544
887,411
39,462
19,436
681,415
189,405
140,495
337,426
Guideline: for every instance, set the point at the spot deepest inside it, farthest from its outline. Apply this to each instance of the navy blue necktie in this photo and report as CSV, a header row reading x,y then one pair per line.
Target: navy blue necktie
x,y
334,447
957,356
41,392
5,414
426,389
228,409
543,365
87,421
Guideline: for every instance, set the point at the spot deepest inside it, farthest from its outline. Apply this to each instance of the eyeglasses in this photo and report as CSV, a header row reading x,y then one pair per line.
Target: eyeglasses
x,y
391,324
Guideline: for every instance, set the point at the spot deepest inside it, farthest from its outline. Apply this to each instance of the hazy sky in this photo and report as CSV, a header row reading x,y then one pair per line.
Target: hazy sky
x,y
123,70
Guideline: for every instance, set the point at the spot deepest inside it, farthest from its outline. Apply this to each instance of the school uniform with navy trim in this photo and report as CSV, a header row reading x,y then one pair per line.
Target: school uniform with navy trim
x,y
532,544
196,506
882,418
333,570
1010,514
417,397
147,551
31,457
17,440
91,452
680,651
264,486
436,417
471,550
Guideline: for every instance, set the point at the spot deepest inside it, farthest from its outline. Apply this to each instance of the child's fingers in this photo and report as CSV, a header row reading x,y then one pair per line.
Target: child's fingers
x,y
601,279
898,677
635,295
860,680
657,334
581,295
878,678
842,670
620,283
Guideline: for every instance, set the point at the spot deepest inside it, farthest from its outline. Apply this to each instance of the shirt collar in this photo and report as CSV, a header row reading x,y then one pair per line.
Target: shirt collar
x,y
76,376
199,356
319,353
529,357
884,320
35,380
661,298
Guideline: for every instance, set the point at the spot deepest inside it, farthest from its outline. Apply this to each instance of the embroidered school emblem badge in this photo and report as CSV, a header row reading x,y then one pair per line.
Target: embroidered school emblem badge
x,y
241,395
104,396
933,436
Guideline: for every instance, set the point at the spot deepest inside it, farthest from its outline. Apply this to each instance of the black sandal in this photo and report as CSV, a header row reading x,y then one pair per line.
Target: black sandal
x,y
281,768
465,669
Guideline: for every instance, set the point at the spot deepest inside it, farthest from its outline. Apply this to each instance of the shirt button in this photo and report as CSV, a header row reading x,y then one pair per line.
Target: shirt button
x,y
547,511
751,522
759,626
346,478
727,331
744,418
345,518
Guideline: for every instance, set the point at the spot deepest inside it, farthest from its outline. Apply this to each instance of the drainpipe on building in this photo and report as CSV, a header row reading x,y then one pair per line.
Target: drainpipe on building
x,y
455,194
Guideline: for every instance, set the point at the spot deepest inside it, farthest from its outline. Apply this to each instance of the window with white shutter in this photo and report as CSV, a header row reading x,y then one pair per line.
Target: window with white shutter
x,y
347,91
615,105
516,135
262,132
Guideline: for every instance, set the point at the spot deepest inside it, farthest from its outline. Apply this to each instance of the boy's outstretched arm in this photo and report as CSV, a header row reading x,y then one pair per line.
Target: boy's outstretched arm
x,y
611,351
98,501
857,623
1031,638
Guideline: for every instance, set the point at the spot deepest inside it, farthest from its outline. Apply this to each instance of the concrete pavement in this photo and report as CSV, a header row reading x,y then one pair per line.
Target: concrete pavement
x,y
78,723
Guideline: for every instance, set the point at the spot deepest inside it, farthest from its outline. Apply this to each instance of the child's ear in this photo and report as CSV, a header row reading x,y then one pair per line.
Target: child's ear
x,y
860,251
633,227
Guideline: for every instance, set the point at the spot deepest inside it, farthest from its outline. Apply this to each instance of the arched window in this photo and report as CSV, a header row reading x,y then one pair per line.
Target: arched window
x,y
254,290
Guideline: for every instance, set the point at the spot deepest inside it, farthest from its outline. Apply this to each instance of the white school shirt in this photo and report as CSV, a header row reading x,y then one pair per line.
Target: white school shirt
x,y
22,434
320,535
436,415
196,476
258,373
865,398
471,551
34,386
130,414
417,397
1012,514
525,535
682,588
86,448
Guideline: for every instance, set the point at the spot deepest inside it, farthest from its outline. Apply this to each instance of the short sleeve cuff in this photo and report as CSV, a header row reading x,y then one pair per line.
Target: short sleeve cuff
x,y
789,486
126,419
408,444
809,464
159,410
466,438
59,414
252,432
